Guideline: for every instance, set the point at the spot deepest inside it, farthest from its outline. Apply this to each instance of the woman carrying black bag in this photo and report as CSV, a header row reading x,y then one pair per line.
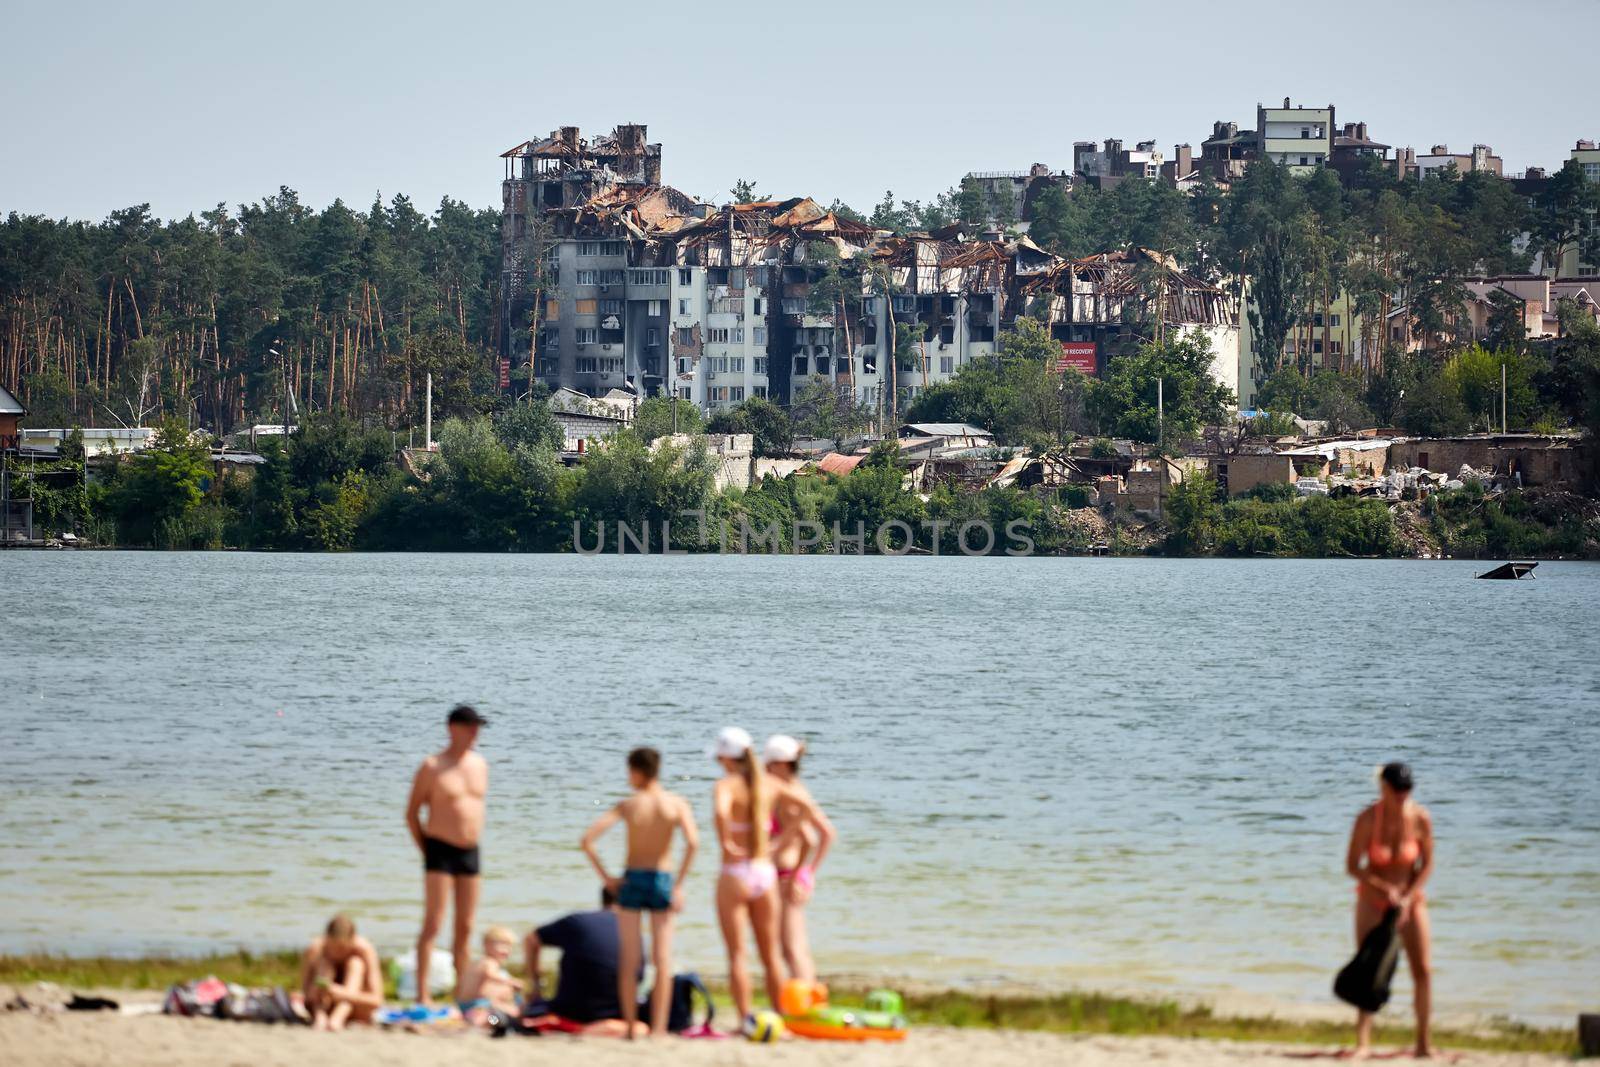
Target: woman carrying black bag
x,y
1391,857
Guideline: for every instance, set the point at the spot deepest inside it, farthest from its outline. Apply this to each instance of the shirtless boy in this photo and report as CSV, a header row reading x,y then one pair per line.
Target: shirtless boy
x,y
340,978
451,785
652,815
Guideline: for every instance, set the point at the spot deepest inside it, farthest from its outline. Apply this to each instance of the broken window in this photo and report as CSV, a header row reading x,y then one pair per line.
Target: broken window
x,y
586,335
585,307
800,366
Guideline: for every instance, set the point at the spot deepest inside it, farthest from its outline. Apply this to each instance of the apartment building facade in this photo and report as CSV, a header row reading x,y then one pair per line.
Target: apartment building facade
x,y
1301,138
584,304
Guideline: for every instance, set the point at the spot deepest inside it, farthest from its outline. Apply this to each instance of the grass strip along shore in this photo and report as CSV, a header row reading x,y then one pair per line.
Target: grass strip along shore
x,y
1067,1012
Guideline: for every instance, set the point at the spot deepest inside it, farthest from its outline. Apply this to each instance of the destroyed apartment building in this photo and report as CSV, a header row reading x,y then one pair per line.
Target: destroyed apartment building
x,y
612,280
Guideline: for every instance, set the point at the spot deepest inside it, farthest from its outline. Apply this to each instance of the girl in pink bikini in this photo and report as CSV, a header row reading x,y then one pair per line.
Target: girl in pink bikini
x,y
743,801
1391,857
798,852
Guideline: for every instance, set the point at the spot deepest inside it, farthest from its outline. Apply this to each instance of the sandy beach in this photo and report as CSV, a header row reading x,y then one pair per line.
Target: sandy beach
x,y
135,1037
136,1041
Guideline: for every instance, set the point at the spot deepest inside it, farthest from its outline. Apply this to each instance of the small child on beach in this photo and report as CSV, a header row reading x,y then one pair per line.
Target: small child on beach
x,y
652,816
487,986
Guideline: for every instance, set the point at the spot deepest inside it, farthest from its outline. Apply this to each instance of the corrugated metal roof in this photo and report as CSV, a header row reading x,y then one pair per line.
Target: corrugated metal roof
x,y
946,429
10,405
834,463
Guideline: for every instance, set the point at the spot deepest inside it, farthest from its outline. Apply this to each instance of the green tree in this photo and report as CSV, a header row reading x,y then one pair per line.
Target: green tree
x,y
821,409
765,421
744,192
1124,401
1193,512
655,418
153,495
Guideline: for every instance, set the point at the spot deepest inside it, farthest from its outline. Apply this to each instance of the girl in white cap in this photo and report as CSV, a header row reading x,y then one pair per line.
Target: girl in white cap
x,y
742,801
801,845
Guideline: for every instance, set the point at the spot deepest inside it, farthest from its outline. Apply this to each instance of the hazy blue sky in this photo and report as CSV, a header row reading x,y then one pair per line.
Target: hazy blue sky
x,y
185,104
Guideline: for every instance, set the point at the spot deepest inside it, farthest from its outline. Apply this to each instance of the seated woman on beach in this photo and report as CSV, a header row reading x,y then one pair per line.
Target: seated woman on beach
x,y
1395,838
487,986
340,977
797,851
743,801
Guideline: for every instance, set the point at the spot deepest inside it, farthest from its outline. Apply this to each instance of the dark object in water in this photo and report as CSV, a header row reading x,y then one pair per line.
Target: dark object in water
x,y
1364,981
1514,569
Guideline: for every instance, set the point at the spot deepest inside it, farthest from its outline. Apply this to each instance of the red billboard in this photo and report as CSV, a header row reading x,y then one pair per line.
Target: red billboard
x,y
1078,356
505,373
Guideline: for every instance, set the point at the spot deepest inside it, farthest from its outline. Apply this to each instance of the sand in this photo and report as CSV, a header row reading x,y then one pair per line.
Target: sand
x,y
28,1040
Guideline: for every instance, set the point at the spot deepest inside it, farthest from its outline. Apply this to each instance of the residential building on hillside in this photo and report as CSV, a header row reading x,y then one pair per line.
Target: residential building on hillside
x,y
1411,164
1114,300
1299,137
1228,151
1335,336
1584,259
743,320
1352,148
1105,166
577,225
1009,194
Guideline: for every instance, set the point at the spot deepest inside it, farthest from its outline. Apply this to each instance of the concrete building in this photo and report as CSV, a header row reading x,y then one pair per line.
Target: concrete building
x,y
1008,195
1228,151
1353,148
1299,137
1584,259
11,413
743,321
1113,301
1105,166
1412,164
579,302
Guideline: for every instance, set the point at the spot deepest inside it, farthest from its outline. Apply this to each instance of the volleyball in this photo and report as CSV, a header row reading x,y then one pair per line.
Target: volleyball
x,y
765,1027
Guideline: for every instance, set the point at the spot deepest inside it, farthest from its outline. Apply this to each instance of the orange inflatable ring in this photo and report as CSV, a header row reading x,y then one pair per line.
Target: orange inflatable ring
x,y
825,1032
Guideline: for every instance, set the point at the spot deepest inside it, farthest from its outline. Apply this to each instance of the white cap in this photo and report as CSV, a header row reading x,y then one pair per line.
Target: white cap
x,y
781,748
732,743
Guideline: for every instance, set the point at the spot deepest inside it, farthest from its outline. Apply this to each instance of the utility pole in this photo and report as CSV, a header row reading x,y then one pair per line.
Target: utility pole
x,y
285,364
1161,417
1503,395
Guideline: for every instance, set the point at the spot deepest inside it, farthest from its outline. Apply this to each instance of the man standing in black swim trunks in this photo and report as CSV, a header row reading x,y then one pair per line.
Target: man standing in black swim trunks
x,y
451,785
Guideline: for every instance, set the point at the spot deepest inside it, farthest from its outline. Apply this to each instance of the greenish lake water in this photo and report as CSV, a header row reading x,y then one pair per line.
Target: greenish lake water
x,y
1118,773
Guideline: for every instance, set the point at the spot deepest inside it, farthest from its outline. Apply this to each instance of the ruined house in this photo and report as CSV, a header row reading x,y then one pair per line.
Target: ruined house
x,y
745,320
1116,300
613,281
580,218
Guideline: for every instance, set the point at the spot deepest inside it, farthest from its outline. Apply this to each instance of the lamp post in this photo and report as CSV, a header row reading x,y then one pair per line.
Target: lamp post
x,y
285,364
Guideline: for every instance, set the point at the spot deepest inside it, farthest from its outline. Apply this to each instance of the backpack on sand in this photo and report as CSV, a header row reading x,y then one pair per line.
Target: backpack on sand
x,y
680,1017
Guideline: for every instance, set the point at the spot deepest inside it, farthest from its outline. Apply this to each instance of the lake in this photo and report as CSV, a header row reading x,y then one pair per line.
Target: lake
x,y
1103,773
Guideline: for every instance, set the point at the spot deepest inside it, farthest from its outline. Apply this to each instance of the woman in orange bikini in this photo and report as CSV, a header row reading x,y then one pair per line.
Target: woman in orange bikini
x,y
1394,838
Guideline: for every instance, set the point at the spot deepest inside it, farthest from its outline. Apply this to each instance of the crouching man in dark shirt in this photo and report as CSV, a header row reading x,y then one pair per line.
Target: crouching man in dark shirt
x,y
585,1001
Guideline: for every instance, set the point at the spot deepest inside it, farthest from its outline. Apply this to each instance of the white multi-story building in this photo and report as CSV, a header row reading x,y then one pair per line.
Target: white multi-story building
x,y
1299,137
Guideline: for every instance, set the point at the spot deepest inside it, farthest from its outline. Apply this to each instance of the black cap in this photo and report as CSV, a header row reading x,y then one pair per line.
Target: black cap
x,y
1398,777
465,715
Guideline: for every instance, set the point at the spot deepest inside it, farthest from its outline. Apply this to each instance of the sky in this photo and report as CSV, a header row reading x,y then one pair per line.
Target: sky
x,y
186,105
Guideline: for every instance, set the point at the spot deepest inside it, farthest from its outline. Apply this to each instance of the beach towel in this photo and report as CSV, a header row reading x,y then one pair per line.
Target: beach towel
x,y
1364,981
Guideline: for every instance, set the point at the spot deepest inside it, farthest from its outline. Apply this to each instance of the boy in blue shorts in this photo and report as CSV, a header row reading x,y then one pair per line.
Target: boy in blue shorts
x,y
652,815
